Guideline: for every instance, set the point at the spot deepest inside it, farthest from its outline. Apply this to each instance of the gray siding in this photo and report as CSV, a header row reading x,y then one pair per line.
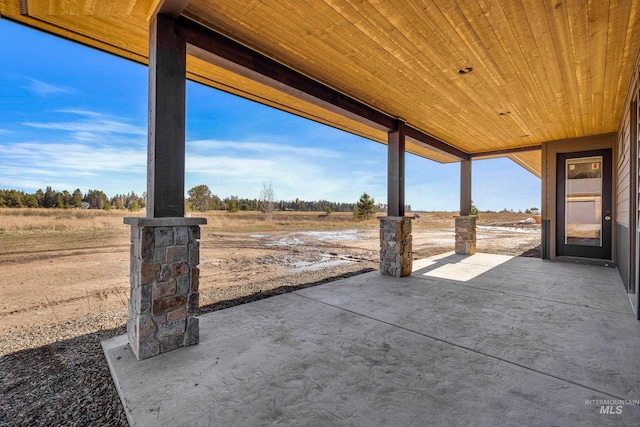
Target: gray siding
x,y
622,252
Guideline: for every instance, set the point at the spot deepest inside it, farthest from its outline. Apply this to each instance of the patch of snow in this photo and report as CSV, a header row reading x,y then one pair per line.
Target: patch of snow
x,y
286,241
332,235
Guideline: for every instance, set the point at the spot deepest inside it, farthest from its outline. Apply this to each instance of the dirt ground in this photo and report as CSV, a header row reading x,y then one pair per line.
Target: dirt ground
x,y
64,290
56,278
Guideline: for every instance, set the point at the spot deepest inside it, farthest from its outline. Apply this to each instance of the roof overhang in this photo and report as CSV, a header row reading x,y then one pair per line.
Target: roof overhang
x,y
485,80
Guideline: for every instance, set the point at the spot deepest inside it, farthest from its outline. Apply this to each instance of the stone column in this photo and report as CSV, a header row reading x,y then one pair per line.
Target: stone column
x,y
164,282
395,246
466,234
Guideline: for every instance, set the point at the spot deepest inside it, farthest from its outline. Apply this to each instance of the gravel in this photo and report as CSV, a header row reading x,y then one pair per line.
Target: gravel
x,y
57,374
60,380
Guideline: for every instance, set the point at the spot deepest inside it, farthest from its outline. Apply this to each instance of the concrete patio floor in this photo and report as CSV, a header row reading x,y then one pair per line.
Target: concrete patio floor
x,y
465,340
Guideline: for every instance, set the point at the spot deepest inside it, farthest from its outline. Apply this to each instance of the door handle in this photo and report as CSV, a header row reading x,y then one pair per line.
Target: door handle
x,y
607,218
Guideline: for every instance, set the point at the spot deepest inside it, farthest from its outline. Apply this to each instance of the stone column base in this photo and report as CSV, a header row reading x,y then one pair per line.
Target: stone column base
x,y
395,246
164,282
466,234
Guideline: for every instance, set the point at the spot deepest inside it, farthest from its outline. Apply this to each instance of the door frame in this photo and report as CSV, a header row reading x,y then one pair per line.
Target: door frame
x,y
605,252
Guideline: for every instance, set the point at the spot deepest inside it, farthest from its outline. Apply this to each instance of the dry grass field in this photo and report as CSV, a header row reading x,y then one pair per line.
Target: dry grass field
x,y
65,287
62,265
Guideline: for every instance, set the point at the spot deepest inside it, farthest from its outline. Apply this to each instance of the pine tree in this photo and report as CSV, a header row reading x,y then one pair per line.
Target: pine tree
x,y
365,208
200,198
77,199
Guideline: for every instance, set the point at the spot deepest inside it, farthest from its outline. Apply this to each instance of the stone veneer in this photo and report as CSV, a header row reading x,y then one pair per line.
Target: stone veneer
x,y
395,246
466,234
164,282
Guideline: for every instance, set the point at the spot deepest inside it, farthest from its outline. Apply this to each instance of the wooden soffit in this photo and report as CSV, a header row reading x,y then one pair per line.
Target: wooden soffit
x,y
482,76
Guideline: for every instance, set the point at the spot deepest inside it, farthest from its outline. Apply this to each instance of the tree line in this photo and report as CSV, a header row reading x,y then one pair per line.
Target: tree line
x,y
49,198
201,199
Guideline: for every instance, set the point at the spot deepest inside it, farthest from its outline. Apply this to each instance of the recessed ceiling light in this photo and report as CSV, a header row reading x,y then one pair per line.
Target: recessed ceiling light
x,y
465,70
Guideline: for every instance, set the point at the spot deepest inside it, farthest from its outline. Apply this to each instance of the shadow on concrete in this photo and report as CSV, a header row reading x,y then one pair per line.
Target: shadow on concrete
x,y
256,296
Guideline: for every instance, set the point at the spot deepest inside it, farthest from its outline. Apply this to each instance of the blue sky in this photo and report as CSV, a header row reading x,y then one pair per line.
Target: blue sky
x,y
74,117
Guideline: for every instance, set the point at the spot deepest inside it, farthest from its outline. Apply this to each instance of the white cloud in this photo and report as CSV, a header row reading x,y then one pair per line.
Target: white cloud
x,y
45,89
308,173
36,158
93,150
90,125
263,148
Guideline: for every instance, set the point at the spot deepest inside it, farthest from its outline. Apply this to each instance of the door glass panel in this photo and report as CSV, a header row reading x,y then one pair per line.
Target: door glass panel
x,y
583,201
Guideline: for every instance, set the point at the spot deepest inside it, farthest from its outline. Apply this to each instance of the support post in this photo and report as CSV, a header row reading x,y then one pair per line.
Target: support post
x,y
164,280
165,252
395,229
465,223
395,171
167,104
465,188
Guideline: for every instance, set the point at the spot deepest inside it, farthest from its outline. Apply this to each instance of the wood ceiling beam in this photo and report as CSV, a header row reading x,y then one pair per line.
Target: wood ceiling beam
x,y
218,49
418,137
505,152
171,8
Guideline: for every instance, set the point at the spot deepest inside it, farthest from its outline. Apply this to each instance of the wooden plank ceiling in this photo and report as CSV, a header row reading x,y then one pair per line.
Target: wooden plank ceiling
x,y
541,70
